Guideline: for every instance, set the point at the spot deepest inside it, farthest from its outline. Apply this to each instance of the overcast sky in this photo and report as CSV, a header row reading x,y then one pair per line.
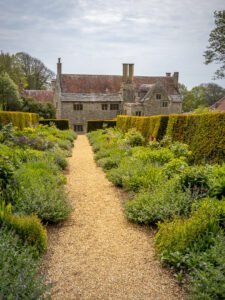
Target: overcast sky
x,y
97,36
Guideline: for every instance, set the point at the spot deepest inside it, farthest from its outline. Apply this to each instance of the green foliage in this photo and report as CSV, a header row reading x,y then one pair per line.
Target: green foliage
x,y
38,188
19,270
196,179
100,124
44,110
28,228
18,119
216,48
133,138
195,232
9,95
164,202
175,167
62,124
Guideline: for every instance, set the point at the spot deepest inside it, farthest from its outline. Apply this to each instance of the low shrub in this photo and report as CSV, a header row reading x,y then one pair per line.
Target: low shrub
x,y
133,138
195,232
100,124
38,189
155,156
175,167
18,119
19,270
165,202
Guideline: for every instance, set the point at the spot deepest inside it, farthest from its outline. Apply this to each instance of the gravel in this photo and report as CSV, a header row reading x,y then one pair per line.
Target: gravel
x,y
97,253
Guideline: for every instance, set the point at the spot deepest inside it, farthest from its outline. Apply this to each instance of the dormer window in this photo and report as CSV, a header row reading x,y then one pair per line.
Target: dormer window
x,y
158,96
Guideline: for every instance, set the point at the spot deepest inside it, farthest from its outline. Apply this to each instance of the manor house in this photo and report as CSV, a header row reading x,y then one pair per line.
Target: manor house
x,y
81,98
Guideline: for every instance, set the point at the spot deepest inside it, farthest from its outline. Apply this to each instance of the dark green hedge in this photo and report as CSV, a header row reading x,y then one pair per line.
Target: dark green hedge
x,y
150,127
62,124
204,133
18,119
98,124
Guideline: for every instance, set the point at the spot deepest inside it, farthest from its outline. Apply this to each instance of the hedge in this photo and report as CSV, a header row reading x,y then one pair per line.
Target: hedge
x,y
62,124
18,119
204,133
98,124
154,127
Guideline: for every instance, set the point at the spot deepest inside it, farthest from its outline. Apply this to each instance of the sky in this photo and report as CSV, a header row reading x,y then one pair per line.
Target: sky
x,y
97,36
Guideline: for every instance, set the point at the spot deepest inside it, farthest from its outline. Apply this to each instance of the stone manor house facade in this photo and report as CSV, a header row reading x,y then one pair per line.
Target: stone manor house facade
x,y
81,98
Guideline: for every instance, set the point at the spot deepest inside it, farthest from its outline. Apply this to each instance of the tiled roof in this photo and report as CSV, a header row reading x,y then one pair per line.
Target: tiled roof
x,y
42,96
109,83
219,105
81,97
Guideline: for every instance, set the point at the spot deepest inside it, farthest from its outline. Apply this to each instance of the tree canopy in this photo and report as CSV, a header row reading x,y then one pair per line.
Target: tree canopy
x,y
216,49
9,95
201,96
26,71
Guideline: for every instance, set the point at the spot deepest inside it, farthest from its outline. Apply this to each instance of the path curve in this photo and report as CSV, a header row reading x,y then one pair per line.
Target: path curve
x,y
97,254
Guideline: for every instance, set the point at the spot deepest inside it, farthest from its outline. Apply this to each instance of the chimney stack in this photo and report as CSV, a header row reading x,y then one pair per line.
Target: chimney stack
x,y
176,78
168,74
125,72
59,68
131,72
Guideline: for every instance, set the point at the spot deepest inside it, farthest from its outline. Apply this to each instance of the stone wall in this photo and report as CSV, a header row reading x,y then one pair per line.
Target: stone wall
x,y
90,111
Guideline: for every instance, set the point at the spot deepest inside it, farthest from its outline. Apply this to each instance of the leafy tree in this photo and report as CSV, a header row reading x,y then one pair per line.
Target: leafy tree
x,y
216,49
213,92
38,76
9,95
45,110
10,65
200,96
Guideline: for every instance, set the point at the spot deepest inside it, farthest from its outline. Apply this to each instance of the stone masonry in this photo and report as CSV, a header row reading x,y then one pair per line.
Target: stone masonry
x,y
81,98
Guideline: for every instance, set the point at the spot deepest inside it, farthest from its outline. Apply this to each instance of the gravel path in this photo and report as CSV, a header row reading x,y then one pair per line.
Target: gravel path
x,y
97,254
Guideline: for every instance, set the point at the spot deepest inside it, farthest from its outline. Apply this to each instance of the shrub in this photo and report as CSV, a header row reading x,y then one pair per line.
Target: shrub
x,y
19,271
133,138
18,119
217,182
165,202
155,156
195,232
175,167
62,124
39,190
196,179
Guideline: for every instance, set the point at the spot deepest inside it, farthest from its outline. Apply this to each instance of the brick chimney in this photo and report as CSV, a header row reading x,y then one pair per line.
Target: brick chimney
x,y
59,68
131,72
168,74
125,72
176,78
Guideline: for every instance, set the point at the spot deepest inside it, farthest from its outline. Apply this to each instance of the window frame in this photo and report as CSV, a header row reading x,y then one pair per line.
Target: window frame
x,y
138,113
79,127
78,106
162,104
158,96
104,106
114,106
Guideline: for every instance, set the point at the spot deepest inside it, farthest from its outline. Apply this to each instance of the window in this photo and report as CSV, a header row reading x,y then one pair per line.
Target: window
x,y
138,113
158,96
104,106
78,127
78,106
164,104
114,106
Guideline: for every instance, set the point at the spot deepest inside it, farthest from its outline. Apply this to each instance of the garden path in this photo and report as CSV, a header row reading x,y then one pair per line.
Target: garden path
x,y
97,254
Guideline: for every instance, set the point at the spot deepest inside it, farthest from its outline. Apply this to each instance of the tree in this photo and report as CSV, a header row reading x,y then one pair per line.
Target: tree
x,y
37,75
45,110
9,95
216,49
201,96
213,92
10,65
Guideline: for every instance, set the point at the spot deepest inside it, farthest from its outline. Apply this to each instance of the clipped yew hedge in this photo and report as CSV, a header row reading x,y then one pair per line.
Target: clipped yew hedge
x,y
150,127
98,124
204,133
62,124
18,119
